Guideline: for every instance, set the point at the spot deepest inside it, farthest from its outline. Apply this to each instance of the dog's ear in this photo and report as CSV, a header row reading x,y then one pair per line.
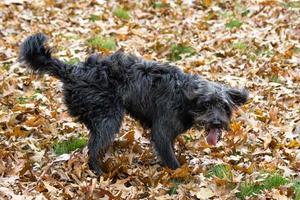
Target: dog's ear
x,y
192,90
238,97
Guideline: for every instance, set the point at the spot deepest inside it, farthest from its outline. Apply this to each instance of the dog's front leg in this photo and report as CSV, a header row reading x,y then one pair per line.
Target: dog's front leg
x,y
163,141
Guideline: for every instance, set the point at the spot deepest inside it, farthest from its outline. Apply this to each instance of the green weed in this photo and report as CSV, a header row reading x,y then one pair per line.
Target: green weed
x,y
248,189
188,138
159,5
297,50
94,18
221,171
22,100
226,14
268,53
291,4
275,79
245,12
253,58
69,145
121,13
71,37
102,43
73,61
296,187
7,65
26,99
173,189
178,49
239,45
274,181
265,52
233,23
38,91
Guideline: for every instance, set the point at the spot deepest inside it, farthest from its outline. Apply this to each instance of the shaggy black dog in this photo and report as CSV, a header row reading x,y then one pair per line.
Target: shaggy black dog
x,y
162,97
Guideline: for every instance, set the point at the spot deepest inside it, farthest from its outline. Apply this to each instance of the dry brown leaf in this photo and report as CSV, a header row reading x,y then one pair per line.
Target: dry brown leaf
x,y
252,44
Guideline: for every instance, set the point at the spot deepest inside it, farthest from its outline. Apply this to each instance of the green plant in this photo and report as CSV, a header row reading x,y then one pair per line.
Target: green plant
x,y
102,43
233,23
121,13
175,184
62,147
71,37
239,45
22,100
297,50
274,181
291,4
38,91
275,79
26,99
268,53
6,65
221,171
188,138
296,187
245,12
248,189
94,18
253,57
178,49
159,5
73,61
173,190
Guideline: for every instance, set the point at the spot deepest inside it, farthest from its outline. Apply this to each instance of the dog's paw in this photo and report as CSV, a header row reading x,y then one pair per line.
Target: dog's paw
x,y
173,165
95,168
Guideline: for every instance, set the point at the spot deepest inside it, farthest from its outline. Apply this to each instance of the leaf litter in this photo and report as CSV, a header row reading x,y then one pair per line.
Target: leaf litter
x,y
240,43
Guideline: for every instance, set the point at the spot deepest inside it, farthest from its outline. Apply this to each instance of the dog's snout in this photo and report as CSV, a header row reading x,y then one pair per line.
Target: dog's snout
x,y
216,122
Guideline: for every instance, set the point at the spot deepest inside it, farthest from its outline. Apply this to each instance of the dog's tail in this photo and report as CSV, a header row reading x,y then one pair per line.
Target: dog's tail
x,y
38,57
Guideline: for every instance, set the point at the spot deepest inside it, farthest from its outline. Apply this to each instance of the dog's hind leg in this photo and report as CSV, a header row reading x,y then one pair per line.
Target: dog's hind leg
x,y
103,126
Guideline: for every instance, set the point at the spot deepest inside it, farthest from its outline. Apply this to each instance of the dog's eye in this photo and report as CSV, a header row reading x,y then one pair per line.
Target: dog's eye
x,y
204,105
227,110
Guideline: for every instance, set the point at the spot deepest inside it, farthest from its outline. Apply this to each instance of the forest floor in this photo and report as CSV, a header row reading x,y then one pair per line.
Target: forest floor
x,y
252,44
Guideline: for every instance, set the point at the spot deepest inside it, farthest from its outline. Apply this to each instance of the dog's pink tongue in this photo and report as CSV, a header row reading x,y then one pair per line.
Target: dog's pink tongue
x,y
212,137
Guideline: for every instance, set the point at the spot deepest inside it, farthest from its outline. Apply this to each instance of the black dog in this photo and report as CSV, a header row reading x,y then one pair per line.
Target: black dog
x,y
161,96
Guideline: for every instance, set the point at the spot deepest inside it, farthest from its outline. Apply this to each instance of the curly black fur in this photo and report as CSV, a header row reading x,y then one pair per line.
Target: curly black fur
x,y
161,96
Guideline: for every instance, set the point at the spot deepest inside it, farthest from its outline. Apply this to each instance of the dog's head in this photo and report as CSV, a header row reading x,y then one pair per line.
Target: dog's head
x,y
211,106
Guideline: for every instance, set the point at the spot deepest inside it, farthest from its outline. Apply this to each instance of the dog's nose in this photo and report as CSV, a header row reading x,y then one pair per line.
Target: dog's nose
x,y
216,123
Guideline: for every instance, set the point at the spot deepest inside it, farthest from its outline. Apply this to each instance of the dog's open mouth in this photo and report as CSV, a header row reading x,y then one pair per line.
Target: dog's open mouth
x,y
213,135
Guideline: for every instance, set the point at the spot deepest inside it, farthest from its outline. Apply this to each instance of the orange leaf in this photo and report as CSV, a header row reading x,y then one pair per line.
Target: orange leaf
x,y
273,113
18,132
207,3
181,172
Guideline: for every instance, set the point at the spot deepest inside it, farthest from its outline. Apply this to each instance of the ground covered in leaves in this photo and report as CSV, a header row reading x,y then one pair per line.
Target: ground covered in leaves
x,y
240,43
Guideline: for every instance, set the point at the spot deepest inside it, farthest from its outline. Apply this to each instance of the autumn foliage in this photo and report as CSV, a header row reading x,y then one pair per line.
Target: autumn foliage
x,y
240,43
